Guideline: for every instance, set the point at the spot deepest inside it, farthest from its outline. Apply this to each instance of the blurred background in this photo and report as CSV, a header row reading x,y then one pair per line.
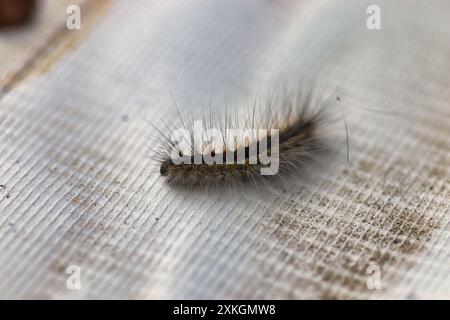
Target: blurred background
x,y
83,215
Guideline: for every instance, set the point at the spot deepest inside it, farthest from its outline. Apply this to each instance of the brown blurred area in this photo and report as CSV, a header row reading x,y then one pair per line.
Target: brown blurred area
x,y
14,13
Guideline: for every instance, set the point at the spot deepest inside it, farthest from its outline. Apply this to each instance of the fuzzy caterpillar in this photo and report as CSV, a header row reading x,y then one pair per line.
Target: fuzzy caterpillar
x,y
300,122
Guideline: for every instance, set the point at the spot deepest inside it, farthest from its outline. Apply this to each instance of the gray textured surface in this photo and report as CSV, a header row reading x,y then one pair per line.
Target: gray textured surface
x,y
78,189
